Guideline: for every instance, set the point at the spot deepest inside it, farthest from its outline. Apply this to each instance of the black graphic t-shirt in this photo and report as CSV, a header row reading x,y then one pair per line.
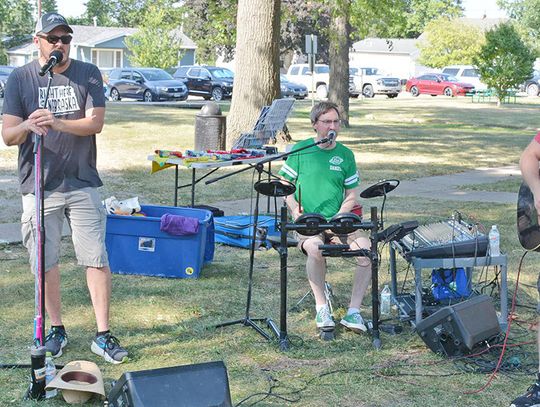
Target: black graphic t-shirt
x,y
69,161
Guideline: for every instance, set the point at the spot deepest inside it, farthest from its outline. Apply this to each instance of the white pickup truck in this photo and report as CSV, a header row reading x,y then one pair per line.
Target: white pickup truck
x,y
316,82
368,82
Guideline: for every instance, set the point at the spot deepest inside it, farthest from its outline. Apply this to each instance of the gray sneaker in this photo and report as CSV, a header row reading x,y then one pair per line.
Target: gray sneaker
x,y
324,318
109,347
55,341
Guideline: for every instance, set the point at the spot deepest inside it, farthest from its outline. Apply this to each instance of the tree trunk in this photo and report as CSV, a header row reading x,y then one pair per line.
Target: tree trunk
x,y
339,58
256,79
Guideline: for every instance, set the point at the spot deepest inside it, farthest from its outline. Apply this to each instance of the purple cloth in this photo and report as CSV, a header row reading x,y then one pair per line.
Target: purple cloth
x,y
179,225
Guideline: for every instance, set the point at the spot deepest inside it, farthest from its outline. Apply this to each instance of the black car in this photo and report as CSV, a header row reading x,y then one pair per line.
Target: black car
x,y
207,81
4,73
148,84
292,89
532,85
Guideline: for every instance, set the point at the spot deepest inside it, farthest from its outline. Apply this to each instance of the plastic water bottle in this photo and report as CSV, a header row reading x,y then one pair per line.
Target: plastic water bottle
x,y
494,242
50,372
386,299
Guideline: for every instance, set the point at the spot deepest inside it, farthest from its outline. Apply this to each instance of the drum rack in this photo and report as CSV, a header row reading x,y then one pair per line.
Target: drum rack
x,y
345,224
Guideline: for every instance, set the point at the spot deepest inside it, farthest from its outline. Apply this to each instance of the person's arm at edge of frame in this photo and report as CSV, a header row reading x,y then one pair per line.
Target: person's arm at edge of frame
x,y
293,205
528,165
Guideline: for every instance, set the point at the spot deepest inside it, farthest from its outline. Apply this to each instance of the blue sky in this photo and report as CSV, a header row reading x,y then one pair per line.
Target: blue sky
x,y
473,8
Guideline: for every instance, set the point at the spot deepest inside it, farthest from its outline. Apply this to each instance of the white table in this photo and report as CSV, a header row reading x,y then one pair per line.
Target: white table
x,y
211,166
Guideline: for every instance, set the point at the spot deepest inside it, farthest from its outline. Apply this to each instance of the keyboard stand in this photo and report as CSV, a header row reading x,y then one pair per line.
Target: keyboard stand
x,y
468,263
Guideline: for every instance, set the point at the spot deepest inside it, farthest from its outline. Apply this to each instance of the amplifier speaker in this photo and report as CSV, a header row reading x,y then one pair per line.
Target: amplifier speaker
x,y
200,385
458,329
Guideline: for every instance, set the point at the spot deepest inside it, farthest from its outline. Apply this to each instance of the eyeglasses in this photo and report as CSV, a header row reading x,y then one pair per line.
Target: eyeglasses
x,y
329,122
53,39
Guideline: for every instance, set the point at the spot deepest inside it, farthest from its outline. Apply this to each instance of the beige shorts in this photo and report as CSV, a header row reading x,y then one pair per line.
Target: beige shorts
x,y
86,217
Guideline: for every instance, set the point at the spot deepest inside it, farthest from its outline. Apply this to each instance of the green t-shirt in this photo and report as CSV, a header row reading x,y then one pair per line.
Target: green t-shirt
x,y
321,177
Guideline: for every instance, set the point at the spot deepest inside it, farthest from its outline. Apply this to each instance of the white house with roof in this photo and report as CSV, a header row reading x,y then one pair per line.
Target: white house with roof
x,y
399,57
102,46
392,56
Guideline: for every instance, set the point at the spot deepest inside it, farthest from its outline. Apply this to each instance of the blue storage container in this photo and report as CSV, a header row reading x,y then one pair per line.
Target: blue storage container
x,y
136,245
238,230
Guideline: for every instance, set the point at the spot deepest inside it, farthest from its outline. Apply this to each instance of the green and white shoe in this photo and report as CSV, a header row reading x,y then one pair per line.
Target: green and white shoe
x,y
324,318
354,322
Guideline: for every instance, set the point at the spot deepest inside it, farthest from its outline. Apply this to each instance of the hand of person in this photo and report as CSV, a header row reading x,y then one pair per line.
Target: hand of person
x,y
30,126
43,118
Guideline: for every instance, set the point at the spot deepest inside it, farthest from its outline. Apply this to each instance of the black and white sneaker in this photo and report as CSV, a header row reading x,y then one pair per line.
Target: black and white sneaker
x,y
531,398
55,341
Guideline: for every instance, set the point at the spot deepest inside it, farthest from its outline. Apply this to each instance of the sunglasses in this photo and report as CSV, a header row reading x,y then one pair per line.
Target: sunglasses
x,y
53,39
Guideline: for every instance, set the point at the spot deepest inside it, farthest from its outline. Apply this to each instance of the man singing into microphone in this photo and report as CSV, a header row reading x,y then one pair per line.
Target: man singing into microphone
x,y
326,183
68,124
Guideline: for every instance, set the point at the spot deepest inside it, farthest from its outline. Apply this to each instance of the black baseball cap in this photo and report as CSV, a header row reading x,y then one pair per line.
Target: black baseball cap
x,y
49,21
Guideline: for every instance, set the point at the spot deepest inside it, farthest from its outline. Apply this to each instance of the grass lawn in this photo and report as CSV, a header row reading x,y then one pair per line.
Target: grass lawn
x,y
168,322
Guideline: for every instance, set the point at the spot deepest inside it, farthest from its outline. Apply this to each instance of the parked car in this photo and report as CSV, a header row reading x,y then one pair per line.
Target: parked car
x,y
315,82
532,85
148,84
292,89
4,73
370,82
207,81
466,73
438,84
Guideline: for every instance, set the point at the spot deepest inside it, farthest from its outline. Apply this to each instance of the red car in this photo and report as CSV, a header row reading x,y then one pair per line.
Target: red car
x,y
438,84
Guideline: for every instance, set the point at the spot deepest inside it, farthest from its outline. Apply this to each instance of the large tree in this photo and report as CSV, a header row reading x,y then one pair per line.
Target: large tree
x,y
504,60
16,24
212,25
449,42
339,58
256,81
101,11
157,42
526,16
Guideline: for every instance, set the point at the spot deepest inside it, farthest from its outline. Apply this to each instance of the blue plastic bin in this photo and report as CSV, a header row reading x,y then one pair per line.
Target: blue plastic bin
x,y
136,245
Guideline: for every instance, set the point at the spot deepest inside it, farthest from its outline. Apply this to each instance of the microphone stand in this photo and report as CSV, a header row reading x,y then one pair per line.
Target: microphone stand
x,y
247,320
36,389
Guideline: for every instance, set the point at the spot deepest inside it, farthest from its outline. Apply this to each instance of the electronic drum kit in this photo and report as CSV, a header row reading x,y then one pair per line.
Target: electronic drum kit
x,y
311,224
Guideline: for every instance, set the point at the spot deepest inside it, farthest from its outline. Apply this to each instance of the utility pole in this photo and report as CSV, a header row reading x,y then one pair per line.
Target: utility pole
x,y
38,9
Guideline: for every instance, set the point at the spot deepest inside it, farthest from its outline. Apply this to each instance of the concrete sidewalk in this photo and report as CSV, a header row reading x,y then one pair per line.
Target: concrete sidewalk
x,y
442,187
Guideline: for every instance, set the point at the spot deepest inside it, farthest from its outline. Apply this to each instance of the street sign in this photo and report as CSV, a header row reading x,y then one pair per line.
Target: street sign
x,y
311,44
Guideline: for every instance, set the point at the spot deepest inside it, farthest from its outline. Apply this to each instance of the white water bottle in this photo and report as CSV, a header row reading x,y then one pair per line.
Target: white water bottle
x,y
386,298
50,372
494,242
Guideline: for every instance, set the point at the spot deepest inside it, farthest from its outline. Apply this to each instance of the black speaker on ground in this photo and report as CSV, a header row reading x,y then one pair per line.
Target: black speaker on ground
x,y
200,385
460,328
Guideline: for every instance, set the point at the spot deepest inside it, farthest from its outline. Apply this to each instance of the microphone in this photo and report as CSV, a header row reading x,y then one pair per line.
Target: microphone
x,y
329,137
56,58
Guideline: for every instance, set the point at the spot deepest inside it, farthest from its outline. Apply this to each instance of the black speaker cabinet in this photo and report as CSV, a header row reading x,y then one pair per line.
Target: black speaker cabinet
x,y
200,385
459,328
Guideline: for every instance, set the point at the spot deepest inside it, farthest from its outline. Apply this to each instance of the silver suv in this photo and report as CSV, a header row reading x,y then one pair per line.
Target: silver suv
x,y
369,82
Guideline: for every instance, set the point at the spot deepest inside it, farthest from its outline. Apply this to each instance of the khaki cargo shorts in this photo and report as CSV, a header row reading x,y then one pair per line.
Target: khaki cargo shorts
x,y
86,217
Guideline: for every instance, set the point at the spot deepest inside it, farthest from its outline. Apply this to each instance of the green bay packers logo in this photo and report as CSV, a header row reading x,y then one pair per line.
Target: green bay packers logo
x,y
335,160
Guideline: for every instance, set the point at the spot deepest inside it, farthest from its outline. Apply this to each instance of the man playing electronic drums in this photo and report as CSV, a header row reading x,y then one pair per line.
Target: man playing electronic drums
x,y
326,181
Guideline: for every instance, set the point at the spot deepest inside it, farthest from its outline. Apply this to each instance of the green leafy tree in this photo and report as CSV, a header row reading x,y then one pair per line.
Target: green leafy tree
x,y
450,42
16,25
211,24
101,10
504,61
526,17
157,43
49,6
